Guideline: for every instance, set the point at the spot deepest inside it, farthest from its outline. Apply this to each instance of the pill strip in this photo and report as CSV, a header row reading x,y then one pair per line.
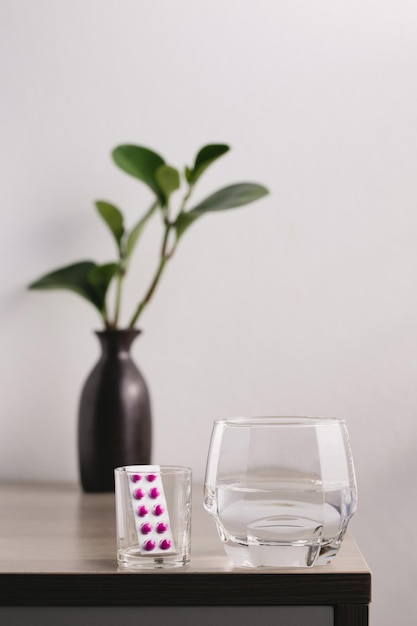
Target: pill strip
x,y
150,509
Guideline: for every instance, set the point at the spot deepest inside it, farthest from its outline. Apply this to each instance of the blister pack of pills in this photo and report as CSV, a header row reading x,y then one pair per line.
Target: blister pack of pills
x,y
150,509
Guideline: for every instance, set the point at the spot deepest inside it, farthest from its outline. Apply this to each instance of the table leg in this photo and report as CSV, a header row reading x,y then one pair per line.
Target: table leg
x,y
351,615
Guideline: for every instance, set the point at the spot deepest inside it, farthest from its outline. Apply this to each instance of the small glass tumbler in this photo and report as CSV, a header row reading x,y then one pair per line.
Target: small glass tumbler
x,y
153,516
280,489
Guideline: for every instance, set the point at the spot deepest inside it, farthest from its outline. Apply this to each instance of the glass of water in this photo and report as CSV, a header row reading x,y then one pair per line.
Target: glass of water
x,y
281,489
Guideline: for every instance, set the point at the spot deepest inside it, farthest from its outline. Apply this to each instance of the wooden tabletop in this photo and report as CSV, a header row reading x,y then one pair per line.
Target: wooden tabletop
x,y
58,547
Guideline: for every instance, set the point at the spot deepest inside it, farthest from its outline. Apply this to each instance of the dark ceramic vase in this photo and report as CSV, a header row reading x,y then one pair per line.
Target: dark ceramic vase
x,y
114,420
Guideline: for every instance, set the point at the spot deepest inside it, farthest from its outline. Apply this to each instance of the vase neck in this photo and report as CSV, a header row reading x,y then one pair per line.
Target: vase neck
x,y
116,342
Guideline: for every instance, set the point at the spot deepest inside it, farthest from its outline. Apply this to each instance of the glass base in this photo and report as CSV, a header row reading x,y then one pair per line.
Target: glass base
x,y
134,560
280,556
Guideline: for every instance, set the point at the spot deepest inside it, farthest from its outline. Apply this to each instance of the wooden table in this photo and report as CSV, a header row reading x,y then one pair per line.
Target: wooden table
x,y
58,566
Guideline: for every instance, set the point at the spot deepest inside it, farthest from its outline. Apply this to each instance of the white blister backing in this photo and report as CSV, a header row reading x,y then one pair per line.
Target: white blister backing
x,y
150,509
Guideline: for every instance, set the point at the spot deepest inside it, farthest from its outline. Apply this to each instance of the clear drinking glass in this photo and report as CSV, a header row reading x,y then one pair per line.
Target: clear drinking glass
x,y
280,489
153,516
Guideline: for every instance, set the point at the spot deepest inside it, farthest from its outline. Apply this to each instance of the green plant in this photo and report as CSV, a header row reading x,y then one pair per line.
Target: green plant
x,y
92,281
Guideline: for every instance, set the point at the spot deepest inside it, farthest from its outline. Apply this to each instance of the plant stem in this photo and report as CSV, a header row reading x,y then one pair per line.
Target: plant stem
x,y
165,256
120,277
124,254
186,198
105,317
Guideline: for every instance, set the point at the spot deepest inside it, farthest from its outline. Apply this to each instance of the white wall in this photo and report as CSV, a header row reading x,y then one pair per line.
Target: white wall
x,y
302,304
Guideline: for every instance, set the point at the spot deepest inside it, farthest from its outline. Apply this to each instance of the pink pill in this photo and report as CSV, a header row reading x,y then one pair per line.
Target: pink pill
x,y
146,528
151,477
154,493
138,494
135,477
143,511
149,545
165,544
158,509
161,527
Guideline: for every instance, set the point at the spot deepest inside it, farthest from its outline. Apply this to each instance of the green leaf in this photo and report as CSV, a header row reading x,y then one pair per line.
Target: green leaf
x,y
73,277
205,157
188,174
84,278
137,231
168,179
113,218
141,163
100,278
226,198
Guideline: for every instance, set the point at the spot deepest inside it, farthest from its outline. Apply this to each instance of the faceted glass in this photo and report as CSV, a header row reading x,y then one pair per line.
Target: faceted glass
x,y
281,489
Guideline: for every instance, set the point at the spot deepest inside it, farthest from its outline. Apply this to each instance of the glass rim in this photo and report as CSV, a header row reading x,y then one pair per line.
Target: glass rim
x,y
165,469
281,420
